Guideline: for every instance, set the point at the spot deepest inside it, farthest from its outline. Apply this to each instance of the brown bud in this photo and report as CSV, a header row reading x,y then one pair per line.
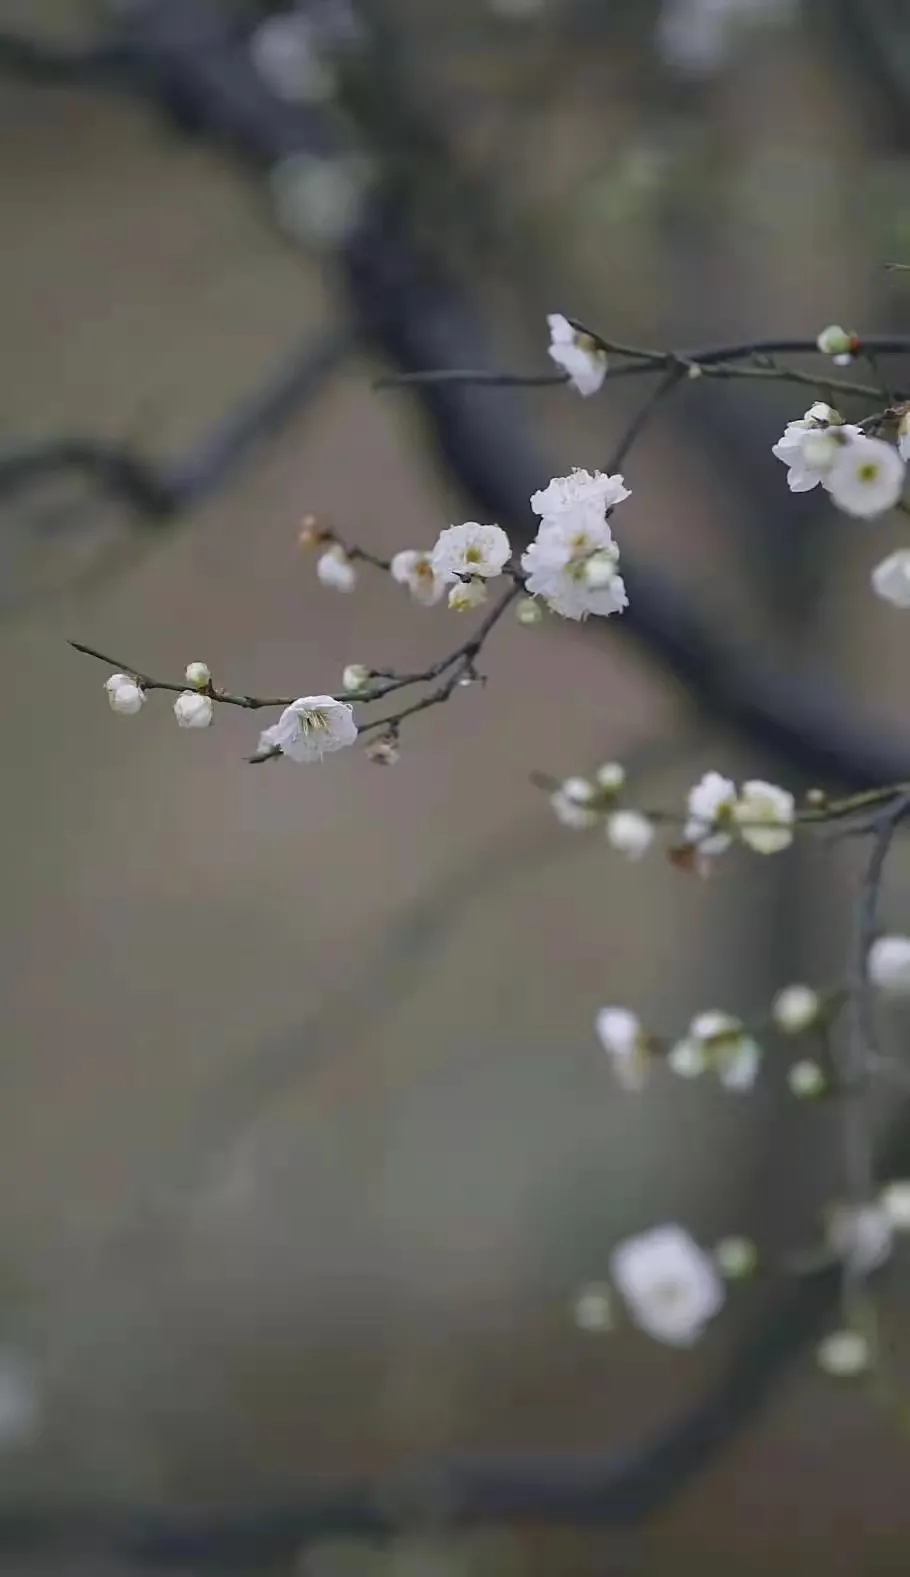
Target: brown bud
x,y
313,533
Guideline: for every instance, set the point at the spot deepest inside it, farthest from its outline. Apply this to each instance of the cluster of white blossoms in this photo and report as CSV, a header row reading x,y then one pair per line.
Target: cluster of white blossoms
x,y
672,1288
573,561
863,475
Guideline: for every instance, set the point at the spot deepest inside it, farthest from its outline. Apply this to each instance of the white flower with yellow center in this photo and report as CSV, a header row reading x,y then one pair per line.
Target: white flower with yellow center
x,y
710,813
866,477
805,467
469,550
310,728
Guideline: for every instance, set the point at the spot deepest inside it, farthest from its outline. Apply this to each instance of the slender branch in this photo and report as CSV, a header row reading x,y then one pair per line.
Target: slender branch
x,y
250,703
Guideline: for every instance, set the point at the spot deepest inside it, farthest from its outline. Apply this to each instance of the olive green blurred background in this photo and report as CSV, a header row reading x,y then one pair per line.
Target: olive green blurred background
x,y
306,1141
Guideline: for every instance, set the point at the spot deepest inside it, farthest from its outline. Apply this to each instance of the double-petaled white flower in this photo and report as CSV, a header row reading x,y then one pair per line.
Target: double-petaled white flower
x,y
124,694
581,493
577,353
415,570
310,728
805,468
469,550
623,1039
670,1286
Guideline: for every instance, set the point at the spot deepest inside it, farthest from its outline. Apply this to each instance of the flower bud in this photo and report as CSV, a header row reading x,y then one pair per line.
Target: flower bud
x,y
630,832
528,611
594,1308
835,341
198,676
889,965
335,569
384,750
355,676
193,710
736,1258
806,1080
599,570
311,533
611,776
467,595
795,1009
844,1354
124,694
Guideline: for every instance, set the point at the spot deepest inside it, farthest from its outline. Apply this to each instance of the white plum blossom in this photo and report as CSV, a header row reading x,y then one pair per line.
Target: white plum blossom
x,y
573,804
620,1033
765,814
718,1040
556,566
670,1286
795,1009
468,550
805,471
198,676
866,476
903,435
806,1079
860,1235
414,569
124,694
710,812
895,1201
581,494
466,595
889,965
891,579
844,1354
577,353
193,710
310,728
630,832
335,569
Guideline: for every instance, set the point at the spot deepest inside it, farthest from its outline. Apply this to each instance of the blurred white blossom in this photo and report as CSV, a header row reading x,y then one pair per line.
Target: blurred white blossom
x,y
630,832
806,1079
795,1009
697,36
415,570
844,1354
903,435
193,710
765,814
310,728
670,1286
891,579
572,802
895,1201
335,569
622,1037
578,354
287,57
466,595
718,1040
889,965
835,341
736,1258
611,776
860,1235
710,812
124,694
866,476
319,201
